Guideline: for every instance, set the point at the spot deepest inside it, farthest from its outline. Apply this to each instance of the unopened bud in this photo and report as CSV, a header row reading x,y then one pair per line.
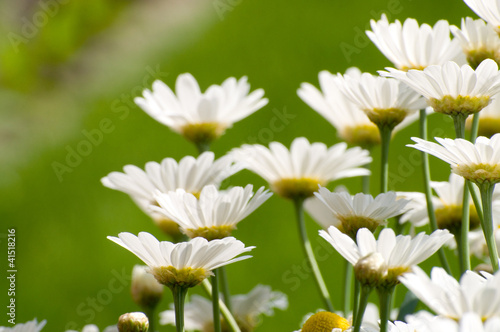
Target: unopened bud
x,y
133,322
370,270
146,290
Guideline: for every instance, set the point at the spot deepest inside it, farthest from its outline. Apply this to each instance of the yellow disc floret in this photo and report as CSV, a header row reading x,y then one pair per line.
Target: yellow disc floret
x,y
460,105
386,117
294,188
365,136
210,233
203,133
185,277
325,321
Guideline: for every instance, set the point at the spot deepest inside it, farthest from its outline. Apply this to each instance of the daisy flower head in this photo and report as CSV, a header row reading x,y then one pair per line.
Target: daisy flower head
x,y
452,89
95,328
386,101
477,162
469,322
361,210
201,117
450,298
379,263
489,118
190,174
352,124
215,214
478,39
447,206
410,46
488,10
247,309
31,326
296,173
329,321
184,264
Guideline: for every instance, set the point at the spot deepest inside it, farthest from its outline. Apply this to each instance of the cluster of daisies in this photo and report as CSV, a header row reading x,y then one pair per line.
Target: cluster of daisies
x,y
432,72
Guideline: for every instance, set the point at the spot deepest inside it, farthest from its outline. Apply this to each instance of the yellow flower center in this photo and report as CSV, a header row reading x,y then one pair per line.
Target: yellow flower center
x,y
406,68
210,233
450,217
479,173
185,277
325,321
352,223
365,136
476,56
294,188
386,117
203,133
461,105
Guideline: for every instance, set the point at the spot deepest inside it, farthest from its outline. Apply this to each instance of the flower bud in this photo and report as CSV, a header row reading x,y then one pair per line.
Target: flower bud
x,y
146,290
133,322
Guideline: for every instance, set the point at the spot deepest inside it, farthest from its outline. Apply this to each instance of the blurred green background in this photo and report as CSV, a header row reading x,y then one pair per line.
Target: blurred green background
x,y
66,66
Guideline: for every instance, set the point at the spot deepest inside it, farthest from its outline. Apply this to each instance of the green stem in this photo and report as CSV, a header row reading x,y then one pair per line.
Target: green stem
x,y
202,147
355,300
306,245
385,298
363,301
428,190
347,288
225,287
487,197
475,199
179,294
459,122
215,300
150,313
474,128
365,181
385,136
225,312
463,240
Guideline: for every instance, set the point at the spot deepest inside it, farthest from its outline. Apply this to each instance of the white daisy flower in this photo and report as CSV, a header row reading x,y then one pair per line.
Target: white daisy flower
x,y
489,118
488,10
320,212
352,124
449,298
478,162
145,289
201,117
94,328
386,102
214,214
380,262
247,309
352,213
399,326
451,89
410,46
184,264
478,39
469,322
31,326
296,173
326,321
447,205
190,174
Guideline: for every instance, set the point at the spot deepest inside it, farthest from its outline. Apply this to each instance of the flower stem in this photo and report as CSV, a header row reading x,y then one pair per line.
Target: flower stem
x,y
179,294
225,287
150,313
463,240
474,128
225,312
459,122
385,298
215,300
355,300
202,147
363,301
306,245
487,197
385,136
428,190
347,288
365,181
